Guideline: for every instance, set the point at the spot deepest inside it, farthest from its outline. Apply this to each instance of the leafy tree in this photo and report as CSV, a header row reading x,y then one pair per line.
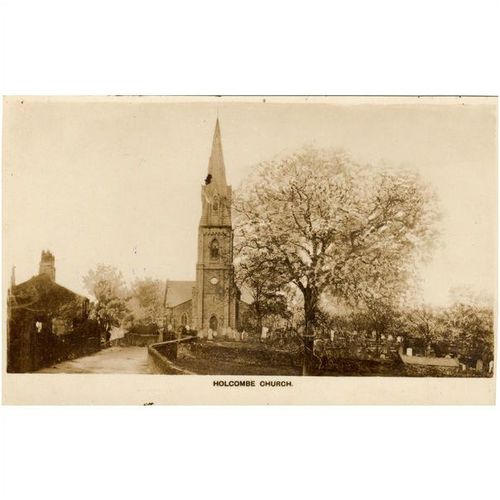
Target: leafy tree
x,y
469,324
107,285
267,299
146,302
319,221
424,322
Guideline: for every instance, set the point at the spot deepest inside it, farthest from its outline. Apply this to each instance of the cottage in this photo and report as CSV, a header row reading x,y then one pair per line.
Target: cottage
x,y
47,322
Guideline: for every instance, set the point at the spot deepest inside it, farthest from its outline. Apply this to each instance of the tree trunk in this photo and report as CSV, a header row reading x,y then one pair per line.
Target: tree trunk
x,y
258,314
308,365
310,304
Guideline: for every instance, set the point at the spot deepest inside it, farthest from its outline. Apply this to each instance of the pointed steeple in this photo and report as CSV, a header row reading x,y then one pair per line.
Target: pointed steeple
x,y
216,195
216,168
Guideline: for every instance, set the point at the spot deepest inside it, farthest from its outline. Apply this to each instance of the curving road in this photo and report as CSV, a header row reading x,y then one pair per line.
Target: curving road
x,y
110,360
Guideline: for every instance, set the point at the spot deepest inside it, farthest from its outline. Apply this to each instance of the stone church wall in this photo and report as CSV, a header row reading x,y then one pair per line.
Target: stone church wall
x,y
182,312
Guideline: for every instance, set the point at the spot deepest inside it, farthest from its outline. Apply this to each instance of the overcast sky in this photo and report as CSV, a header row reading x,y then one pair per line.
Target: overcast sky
x,y
117,180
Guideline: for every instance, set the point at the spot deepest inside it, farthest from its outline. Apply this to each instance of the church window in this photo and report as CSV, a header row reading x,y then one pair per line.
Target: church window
x,y
216,203
184,319
214,249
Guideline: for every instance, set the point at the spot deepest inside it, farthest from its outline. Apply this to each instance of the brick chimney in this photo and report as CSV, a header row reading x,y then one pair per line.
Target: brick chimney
x,y
47,265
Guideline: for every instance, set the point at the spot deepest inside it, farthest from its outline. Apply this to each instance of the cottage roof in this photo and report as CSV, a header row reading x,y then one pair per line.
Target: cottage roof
x,y
42,295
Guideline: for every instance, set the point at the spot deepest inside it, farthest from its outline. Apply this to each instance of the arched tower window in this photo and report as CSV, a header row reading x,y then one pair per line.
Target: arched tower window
x,y
215,204
214,249
184,319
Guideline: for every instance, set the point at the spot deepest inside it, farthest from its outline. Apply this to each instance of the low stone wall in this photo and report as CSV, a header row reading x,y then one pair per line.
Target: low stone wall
x,y
138,339
162,356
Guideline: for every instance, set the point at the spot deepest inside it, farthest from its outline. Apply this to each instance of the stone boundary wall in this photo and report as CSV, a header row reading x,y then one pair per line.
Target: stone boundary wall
x,y
139,340
162,356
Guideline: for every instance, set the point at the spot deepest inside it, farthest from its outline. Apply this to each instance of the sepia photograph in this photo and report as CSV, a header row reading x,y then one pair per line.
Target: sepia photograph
x,y
249,250
257,241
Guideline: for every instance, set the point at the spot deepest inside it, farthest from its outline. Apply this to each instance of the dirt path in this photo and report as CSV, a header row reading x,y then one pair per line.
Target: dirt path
x,y
111,360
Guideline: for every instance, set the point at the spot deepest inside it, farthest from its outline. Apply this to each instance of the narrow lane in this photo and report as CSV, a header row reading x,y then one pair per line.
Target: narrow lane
x,y
111,360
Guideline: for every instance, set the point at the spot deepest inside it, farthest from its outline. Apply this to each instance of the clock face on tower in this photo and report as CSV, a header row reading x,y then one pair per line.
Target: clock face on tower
x,y
214,280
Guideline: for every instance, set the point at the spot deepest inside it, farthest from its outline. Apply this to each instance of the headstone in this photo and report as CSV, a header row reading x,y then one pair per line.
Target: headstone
x,y
332,335
409,351
479,365
263,334
210,334
237,335
490,366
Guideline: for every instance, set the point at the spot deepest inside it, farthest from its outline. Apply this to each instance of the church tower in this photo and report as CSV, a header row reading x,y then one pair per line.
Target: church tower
x,y
215,296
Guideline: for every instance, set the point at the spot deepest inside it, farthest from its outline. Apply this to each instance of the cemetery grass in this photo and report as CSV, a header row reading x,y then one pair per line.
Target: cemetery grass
x,y
230,358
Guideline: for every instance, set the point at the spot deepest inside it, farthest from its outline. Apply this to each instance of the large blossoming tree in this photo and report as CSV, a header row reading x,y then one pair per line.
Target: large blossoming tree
x,y
327,225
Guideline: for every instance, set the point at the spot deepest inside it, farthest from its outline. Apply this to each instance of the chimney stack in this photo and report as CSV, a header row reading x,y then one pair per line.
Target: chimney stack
x,y
13,277
47,265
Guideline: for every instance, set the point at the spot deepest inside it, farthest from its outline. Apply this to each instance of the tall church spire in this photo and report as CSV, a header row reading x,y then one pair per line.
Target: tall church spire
x,y
216,168
215,295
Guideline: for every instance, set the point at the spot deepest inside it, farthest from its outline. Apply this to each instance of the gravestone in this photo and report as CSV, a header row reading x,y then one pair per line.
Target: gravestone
x,y
263,334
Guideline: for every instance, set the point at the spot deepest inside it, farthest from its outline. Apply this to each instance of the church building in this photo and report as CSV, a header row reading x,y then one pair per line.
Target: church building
x,y
212,302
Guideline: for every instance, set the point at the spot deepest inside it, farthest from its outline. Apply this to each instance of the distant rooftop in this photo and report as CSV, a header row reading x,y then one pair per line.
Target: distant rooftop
x,y
177,292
